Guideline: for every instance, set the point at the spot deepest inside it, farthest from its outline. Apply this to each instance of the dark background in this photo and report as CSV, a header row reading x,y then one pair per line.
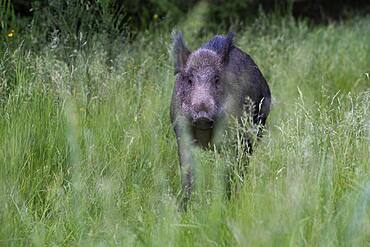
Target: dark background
x,y
140,14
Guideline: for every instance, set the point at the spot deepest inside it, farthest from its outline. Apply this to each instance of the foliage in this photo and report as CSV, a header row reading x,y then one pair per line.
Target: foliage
x,y
88,156
7,20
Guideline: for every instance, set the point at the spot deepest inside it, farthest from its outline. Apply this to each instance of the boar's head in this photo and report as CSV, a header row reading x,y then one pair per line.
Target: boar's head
x,y
201,80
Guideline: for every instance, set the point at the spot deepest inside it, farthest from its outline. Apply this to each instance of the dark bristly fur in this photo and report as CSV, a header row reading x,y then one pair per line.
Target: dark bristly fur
x,y
220,44
212,85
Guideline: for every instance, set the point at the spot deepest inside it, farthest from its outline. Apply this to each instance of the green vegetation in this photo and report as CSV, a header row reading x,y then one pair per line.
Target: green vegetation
x,y
88,156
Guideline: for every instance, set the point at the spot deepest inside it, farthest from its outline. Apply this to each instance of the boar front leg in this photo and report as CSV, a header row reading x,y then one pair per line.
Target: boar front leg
x,y
185,145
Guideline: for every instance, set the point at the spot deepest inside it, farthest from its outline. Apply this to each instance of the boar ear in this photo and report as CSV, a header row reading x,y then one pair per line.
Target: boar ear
x,y
227,46
180,52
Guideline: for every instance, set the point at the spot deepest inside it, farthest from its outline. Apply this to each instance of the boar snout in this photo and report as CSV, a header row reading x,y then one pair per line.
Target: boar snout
x,y
203,121
203,108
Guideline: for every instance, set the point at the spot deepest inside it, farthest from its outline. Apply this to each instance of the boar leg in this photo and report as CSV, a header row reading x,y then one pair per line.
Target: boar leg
x,y
186,165
263,111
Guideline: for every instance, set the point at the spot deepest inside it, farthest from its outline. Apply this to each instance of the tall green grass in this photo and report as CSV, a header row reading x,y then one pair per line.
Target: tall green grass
x,y
88,156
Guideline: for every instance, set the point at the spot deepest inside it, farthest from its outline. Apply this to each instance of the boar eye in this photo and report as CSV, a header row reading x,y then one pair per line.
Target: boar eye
x,y
217,80
190,81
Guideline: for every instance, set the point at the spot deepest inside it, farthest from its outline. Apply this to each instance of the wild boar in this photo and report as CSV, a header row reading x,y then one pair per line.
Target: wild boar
x,y
213,84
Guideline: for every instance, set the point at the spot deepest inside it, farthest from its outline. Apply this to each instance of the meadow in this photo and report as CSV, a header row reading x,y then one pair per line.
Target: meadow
x,y
88,156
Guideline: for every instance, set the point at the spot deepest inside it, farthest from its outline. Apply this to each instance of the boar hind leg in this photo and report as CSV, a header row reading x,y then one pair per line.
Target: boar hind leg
x,y
261,115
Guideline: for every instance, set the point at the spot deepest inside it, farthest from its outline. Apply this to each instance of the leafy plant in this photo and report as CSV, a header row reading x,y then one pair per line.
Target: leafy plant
x,y
7,21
